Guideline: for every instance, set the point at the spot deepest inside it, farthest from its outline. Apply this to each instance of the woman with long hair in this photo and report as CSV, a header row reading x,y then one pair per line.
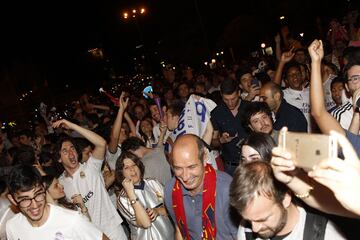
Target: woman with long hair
x,y
257,146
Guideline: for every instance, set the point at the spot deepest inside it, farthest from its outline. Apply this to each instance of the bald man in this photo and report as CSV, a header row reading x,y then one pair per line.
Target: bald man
x,y
285,114
197,198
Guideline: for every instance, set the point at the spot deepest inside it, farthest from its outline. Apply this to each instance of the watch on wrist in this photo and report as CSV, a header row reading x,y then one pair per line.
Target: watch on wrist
x,y
133,201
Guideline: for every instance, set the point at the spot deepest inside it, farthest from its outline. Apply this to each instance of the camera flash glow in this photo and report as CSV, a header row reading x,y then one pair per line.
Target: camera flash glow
x,y
206,63
213,60
302,34
282,17
263,45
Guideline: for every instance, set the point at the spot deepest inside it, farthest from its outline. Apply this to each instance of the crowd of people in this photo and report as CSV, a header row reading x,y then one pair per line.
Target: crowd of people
x,y
198,157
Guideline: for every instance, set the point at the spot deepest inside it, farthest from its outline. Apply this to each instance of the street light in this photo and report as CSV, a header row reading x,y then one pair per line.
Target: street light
x,y
135,12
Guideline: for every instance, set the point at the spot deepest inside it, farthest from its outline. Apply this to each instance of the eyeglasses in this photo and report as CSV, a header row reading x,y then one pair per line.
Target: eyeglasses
x,y
354,78
27,201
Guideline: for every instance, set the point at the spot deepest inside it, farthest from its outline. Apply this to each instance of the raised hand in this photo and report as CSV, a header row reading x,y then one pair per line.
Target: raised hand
x,y
63,123
283,167
123,103
128,185
316,50
78,200
288,56
253,92
163,125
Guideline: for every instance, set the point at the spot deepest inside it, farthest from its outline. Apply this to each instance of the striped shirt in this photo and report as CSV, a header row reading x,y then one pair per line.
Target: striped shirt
x,y
344,114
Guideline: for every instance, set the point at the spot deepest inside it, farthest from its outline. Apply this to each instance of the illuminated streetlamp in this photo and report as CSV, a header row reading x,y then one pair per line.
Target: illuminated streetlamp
x,y
135,12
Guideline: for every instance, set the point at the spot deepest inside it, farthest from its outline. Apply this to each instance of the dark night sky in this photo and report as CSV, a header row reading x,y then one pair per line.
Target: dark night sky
x,y
55,35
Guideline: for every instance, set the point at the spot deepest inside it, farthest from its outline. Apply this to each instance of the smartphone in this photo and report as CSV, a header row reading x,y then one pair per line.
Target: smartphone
x,y
255,81
307,149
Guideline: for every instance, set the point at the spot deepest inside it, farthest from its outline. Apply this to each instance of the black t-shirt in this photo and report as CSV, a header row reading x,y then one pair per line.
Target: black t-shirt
x,y
224,121
290,116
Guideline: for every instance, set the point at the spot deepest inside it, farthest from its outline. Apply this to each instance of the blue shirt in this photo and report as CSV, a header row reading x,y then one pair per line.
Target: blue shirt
x,y
354,140
225,227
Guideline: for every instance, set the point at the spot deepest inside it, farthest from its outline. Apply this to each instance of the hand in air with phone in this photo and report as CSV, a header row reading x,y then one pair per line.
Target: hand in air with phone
x,y
254,89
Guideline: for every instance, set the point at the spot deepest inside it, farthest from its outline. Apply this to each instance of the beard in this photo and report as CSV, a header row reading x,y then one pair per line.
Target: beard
x,y
271,232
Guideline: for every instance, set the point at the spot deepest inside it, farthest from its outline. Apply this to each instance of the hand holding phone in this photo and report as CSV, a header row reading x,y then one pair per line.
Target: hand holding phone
x,y
307,149
255,82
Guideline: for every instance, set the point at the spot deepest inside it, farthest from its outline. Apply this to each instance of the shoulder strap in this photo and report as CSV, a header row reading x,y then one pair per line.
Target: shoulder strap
x,y
249,236
315,226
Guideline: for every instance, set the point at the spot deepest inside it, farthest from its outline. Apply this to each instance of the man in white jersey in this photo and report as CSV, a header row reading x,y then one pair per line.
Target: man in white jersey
x,y
296,94
86,179
38,219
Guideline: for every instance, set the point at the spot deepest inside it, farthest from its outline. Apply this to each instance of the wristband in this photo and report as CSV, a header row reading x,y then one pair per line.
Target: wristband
x,y
305,195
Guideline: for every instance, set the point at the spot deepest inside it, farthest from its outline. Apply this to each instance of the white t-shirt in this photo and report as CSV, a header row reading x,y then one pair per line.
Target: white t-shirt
x,y
111,158
89,182
344,114
301,100
331,233
62,224
329,102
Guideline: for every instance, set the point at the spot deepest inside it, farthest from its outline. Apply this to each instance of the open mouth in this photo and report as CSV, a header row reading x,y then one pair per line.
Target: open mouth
x,y
73,161
35,212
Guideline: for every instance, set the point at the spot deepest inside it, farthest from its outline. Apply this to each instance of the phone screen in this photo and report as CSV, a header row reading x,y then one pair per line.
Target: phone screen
x,y
255,81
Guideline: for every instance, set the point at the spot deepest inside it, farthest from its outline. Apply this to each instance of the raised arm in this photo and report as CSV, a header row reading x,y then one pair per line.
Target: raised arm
x,y
97,140
163,128
285,58
208,134
141,216
325,121
131,124
115,131
101,107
